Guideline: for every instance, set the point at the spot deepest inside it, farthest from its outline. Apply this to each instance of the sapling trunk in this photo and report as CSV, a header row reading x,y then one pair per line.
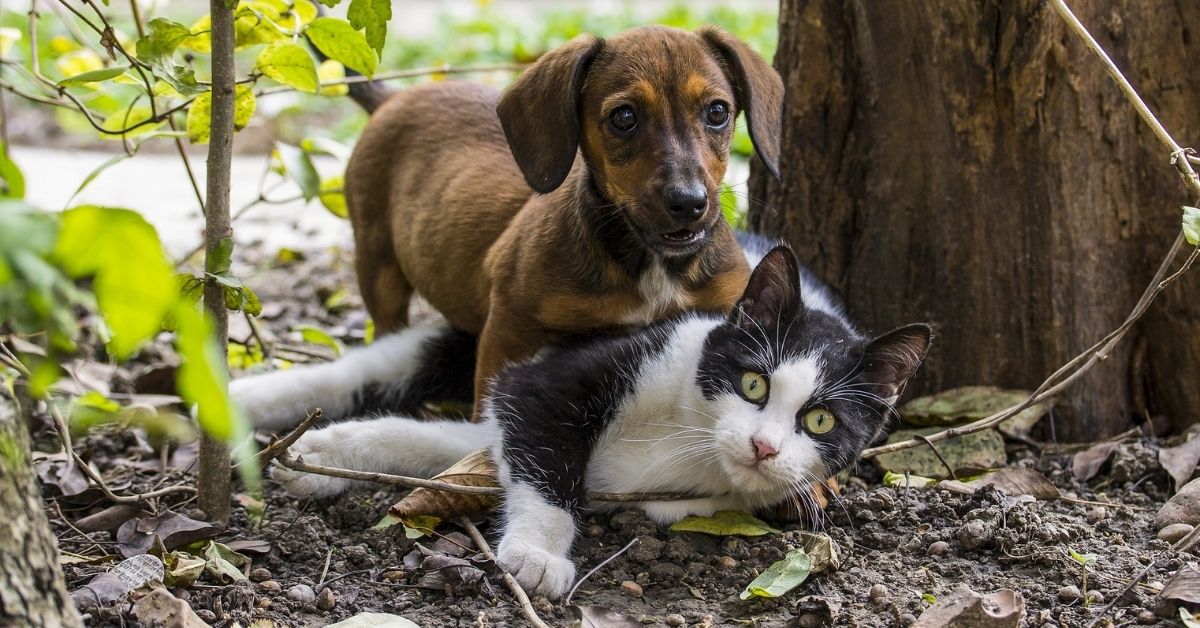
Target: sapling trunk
x,y
213,482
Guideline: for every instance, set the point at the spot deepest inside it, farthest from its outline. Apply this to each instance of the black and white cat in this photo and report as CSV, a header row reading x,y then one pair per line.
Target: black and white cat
x,y
748,409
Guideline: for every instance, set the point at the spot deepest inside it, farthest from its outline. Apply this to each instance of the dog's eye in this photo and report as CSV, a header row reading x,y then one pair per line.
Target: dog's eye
x,y
717,115
623,119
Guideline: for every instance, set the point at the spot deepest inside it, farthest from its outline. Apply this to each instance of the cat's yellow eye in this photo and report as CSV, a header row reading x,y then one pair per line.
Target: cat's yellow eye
x,y
819,421
754,387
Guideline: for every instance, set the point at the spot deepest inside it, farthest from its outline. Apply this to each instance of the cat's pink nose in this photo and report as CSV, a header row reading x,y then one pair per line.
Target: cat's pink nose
x,y
763,450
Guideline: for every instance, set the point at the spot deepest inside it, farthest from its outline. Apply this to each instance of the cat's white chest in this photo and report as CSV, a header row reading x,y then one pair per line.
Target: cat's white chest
x,y
660,295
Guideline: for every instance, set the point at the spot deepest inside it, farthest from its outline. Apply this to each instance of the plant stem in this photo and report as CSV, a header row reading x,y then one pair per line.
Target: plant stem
x,y
213,482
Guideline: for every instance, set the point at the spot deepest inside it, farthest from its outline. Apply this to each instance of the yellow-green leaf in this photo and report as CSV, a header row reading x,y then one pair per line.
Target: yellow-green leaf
x,y
199,120
202,379
372,15
318,336
125,122
79,62
93,76
1191,225
289,64
781,577
725,523
134,282
338,40
900,480
333,198
332,73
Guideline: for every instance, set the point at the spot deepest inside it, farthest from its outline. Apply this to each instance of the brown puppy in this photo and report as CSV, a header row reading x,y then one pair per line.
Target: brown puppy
x,y
481,204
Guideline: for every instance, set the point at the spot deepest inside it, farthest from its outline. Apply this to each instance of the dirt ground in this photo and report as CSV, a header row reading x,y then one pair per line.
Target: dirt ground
x,y
899,548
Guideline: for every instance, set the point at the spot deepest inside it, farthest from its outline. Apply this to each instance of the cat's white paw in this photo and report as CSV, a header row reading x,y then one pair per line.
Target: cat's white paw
x,y
536,569
314,448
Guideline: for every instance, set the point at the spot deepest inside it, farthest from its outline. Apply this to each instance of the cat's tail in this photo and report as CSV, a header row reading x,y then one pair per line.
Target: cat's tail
x,y
395,374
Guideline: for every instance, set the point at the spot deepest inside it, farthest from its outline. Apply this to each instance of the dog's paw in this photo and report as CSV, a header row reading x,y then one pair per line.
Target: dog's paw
x,y
536,569
313,448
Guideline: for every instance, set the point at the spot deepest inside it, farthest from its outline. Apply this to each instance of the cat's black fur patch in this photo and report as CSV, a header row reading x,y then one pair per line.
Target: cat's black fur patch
x,y
445,373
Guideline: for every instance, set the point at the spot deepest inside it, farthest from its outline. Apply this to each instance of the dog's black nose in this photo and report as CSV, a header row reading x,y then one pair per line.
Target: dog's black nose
x,y
686,202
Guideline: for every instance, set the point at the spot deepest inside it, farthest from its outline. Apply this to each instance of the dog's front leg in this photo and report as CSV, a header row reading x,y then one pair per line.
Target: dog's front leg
x,y
504,341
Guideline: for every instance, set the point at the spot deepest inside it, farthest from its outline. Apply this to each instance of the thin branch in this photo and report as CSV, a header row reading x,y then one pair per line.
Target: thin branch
x,y
403,74
526,606
278,447
634,541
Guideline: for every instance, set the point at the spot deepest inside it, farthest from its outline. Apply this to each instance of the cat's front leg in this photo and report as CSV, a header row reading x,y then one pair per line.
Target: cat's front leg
x,y
671,511
536,545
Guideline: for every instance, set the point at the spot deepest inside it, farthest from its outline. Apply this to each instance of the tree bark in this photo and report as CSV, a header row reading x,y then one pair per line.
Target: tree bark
x,y
969,163
32,592
213,481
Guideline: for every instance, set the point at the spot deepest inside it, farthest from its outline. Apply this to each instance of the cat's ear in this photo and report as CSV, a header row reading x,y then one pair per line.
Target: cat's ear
x,y
891,359
772,294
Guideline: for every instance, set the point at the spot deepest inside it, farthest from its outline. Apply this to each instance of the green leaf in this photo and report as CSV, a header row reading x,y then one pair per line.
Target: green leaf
x,y
299,167
900,480
333,198
929,598
372,15
12,181
111,161
419,526
134,283
94,76
1191,225
338,40
388,521
123,122
223,564
201,377
330,3
781,577
318,336
199,119
163,38
1082,559
289,64
725,523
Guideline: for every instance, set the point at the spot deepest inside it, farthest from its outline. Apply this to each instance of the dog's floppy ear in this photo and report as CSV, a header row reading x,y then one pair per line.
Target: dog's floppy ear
x,y
540,112
758,88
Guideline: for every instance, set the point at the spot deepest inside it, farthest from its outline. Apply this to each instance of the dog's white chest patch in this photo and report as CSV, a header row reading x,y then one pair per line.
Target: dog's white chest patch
x,y
660,295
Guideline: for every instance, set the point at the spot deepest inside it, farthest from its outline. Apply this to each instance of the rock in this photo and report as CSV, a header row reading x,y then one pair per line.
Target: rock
x,y
1174,532
264,603
206,615
937,548
1095,597
302,593
394,575
1147,618
1068,593
631,588
908,619
963,607
727,562
160,608
260,574
270,586
326,600
974,535
878,593
593,531
647,549
675,619
811,620
1184,507
1097,514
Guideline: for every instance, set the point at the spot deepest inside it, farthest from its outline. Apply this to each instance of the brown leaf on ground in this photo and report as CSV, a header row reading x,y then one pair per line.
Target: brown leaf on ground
x,y
1180,462
160,608
600,617
1086,464
964,608
971,403
476,469
1012,481
1183,589
136,536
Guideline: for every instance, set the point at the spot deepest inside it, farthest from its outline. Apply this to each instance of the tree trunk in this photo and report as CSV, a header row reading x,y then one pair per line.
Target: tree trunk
x,y
214,470
971,164
32,592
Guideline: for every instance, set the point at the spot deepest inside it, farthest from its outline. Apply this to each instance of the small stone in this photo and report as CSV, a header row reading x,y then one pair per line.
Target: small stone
x,y
1174,532
675,619
260,574
196,513
1184,507
647,550
326,600
811,620
727,562
878,593
542,604
264,603
1147,618
1095,597
937,548
1097,514
631,588
1068,593
394,575
207,615
302,593
908,619
270,586
593,531
974,535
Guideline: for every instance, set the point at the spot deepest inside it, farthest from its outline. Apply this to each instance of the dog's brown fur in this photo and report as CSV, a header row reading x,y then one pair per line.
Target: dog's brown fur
x,y
441,190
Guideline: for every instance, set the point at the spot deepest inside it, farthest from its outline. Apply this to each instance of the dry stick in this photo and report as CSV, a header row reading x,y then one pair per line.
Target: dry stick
x,y
949,469
296,463
526,607
402,74
277,447
571,594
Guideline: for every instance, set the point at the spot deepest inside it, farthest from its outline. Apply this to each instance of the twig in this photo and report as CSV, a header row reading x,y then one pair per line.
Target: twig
x,y
402,74
526,606
324,583
593,570
277,447
325,570
949,469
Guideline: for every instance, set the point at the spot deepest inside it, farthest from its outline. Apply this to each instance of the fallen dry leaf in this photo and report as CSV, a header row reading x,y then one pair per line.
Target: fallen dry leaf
x,y
1086,464
160,608
600,617
1180,462
136,536
476,469
822,550
971,403
1183,589
964,608
980,450
1012,481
